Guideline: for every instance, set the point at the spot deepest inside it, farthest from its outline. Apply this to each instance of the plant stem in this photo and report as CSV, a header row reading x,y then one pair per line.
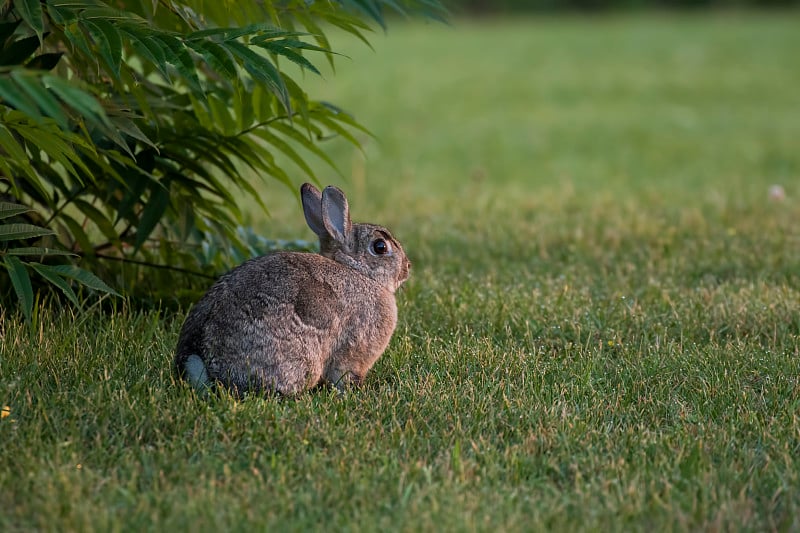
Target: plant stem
x,y
153,265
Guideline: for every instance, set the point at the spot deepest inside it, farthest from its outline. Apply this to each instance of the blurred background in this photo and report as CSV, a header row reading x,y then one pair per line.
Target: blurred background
x,y
520,122
519,6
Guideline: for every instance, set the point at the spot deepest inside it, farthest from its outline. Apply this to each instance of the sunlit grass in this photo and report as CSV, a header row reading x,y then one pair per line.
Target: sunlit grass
x,y
601,329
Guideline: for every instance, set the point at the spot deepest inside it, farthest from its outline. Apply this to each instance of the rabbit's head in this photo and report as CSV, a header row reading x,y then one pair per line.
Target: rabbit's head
x,y
366,248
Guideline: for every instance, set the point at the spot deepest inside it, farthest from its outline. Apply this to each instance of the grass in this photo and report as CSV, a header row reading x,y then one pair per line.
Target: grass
x,y
601,330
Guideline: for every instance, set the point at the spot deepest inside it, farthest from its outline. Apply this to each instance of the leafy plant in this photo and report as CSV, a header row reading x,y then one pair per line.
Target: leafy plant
x,y
17,261
127,127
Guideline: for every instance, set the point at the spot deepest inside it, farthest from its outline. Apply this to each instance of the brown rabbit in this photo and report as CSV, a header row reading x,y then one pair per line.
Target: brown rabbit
x,y
288,321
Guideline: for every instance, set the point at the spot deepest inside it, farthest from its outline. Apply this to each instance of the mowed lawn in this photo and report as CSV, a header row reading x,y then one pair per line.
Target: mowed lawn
x,y
601,330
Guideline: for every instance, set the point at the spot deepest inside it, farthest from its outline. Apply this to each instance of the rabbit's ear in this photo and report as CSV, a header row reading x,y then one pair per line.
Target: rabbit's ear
x,y
312,209
335,214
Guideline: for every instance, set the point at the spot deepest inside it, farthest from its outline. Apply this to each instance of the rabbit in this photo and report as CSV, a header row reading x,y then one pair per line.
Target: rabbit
x,y
290,321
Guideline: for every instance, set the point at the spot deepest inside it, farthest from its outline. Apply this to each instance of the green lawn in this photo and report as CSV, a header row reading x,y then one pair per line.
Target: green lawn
x,y
602,328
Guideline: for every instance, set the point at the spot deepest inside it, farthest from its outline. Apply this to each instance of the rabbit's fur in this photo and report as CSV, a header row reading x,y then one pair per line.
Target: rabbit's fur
x,y
289,321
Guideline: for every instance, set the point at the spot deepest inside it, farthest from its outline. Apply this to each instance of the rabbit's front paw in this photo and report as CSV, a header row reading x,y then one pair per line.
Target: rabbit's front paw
x,y
346,380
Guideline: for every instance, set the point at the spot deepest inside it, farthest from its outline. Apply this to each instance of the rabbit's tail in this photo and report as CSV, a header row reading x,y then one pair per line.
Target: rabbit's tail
x,y
195,372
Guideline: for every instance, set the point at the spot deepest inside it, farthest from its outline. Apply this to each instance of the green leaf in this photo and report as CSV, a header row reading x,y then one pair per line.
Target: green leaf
x,y
210,32
16,232
128,127
10,144
31,13
337,128
261,29
319,36
56,144
351,25
108,41
22,284
276,34
104,12
217,57
287,149
81,101
78,234
11,92
286,49
370,8
295,45
37,251
182,60
262,70
48,273
46,102
8,210
76,37
105,226
5,170
61,15
148,48
235,33
84,277
221,113
138,97
152,213
135,184
243,110
16,154
300,99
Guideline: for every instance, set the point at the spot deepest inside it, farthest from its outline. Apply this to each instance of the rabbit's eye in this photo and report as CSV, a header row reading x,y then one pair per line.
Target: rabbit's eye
x,y
380,247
